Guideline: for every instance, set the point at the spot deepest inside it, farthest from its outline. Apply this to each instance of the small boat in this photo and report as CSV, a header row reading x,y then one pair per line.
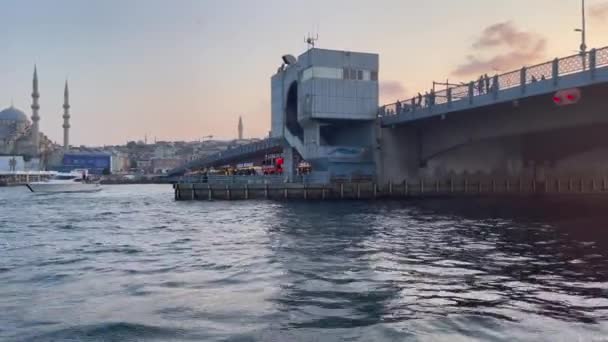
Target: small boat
x,y
75,181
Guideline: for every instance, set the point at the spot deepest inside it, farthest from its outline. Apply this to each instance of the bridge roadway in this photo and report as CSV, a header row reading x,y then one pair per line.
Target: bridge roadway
x,y
570,72
233,155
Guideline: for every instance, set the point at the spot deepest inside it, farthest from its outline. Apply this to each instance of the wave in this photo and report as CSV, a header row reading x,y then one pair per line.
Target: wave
x,y
119,331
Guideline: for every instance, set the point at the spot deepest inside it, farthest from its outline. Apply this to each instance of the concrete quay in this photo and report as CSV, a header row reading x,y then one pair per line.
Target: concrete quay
x,y
16,178
404,190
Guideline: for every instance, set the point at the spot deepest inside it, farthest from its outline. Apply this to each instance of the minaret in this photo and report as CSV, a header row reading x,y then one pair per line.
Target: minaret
x,y
66,117
35,118
240,128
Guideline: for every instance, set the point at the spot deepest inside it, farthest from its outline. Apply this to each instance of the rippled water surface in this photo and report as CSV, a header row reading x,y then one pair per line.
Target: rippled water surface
x,y
130,264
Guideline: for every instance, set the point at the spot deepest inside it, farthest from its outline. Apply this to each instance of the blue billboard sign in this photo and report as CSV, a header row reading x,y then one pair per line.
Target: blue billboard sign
x,y
96,163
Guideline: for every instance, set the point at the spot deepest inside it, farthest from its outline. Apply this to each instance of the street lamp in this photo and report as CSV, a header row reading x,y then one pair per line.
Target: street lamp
x,y
583,31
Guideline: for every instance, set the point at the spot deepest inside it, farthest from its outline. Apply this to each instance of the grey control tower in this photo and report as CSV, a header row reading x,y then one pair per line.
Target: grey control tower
x,y
324,104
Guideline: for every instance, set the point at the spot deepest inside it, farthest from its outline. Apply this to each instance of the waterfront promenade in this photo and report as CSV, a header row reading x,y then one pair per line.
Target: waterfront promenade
x,y
456,188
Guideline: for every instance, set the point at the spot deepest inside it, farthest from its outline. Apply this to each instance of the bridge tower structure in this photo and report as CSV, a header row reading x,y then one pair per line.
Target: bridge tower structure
x,y
324,105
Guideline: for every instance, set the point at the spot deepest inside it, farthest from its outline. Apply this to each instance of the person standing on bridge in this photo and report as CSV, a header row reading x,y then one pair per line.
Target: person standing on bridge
x,y
480,85
398,107
494,86
419,100
486,79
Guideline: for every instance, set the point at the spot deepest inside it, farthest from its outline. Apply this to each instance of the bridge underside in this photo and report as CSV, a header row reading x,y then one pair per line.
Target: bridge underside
x,y
530,137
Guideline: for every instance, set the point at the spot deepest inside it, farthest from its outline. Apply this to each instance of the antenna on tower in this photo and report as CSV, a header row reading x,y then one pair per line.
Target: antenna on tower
x,y
311,40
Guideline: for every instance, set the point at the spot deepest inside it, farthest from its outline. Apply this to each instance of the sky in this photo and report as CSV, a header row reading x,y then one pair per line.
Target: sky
x,y
185,69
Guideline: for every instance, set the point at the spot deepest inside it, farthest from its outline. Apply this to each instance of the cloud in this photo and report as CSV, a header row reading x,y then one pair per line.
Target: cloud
x,y
599,11
392,90
509,49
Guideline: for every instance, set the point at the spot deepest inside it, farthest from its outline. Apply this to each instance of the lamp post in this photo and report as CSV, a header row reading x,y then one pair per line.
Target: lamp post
x,y
583,31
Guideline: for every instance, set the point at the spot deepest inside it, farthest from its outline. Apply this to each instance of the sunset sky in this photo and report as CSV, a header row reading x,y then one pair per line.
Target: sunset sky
x,y
183,69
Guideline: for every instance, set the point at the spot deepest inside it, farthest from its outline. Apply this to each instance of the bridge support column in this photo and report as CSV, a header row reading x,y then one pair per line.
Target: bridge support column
x,y
397,154
289,168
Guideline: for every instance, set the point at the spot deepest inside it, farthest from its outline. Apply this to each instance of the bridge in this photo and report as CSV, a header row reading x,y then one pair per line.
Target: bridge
x,y
507,124
325,110
248,152
546,78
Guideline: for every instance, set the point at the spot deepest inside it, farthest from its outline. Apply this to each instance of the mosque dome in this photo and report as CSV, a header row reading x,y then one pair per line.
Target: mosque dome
x,y
13,114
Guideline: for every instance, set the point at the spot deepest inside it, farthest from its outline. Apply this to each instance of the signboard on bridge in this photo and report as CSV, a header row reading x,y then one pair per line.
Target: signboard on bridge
x,y
567,97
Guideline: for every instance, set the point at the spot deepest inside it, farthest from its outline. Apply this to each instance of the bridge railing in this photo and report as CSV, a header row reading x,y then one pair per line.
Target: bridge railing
x,y
551,70
221,179
313,178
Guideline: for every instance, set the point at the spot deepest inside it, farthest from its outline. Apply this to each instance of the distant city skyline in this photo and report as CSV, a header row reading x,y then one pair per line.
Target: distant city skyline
x,y
182,70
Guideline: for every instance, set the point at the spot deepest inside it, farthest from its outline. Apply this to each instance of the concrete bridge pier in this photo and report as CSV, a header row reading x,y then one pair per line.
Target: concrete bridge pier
x,y
397,154
289,163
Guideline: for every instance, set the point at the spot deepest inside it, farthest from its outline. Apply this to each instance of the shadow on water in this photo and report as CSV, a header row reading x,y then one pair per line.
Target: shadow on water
x,y
117,332
360,264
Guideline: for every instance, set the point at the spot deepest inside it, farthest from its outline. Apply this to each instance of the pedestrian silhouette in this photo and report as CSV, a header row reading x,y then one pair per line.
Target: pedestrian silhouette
x,y
487,82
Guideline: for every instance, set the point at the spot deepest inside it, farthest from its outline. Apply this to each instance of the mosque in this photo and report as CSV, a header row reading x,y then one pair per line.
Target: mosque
x,y
20,137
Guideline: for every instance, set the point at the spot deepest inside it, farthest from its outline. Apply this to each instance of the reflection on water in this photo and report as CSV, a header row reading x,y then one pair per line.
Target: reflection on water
x,y
131,264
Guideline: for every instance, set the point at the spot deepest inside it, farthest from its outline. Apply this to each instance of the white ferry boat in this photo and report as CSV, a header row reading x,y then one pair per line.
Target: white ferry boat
x,y
75,181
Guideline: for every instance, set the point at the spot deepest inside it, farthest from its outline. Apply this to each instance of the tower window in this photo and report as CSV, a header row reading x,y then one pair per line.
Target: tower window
x,y
374,76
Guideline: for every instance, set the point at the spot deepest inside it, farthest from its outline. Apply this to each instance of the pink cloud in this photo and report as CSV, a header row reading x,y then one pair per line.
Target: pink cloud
x,y
392,90
599,11
509,48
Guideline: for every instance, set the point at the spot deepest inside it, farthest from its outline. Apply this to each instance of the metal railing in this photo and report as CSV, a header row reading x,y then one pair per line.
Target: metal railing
x,y
221,179
492,85
312,178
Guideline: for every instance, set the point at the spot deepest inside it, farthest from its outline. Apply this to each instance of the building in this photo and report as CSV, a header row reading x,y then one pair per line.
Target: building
x,y
97,163
164,150
120,162
20,136
163,165
324,103
144,165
